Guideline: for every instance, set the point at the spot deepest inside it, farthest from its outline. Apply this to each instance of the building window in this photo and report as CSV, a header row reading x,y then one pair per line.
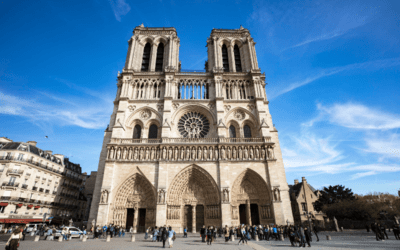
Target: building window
x,y
11,181
232,131
160,57
2,208
238,64
20,157
146,57
137,132
225,60
153,132
304,206
247,131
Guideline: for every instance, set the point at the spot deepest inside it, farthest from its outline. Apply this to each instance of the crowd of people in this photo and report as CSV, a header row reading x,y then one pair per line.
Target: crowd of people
x,y
113,231
380,231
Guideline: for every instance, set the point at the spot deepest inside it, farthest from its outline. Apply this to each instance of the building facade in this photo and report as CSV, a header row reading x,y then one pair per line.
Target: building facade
x,y
35,182
188,149
303,197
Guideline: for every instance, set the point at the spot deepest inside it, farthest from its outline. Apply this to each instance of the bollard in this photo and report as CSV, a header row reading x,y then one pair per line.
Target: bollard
x,y
84,238
232,237
37,237
282,238
60,238
108,238
328,237
32,233
133,238
256,237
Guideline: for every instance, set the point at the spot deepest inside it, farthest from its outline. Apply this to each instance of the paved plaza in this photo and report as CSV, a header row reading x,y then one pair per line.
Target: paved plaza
x,y
340,240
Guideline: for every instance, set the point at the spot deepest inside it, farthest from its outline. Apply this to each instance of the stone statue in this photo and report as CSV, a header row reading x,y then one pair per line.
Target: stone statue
x,y
124,154
130,154
199,154
216,153
246,154
164,153
119,153
223,153
112,153
234,153
276,194
270,153
161,196
152,154
210,155
229,153
257,153
147,154
240,153
176,154
187,153
193,153
251,153
205,153
104,197
226,195
262,153
182,153
135,154
158,154
170,153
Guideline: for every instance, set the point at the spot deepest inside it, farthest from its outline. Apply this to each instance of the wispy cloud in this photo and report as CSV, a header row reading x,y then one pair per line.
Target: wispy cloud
x,y
120,8
371,65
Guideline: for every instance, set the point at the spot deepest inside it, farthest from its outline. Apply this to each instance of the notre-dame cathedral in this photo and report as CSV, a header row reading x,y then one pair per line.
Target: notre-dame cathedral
x,y
186,148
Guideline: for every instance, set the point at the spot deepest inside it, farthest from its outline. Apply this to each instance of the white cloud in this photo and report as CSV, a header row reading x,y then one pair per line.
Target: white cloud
x,y
358,116
120,8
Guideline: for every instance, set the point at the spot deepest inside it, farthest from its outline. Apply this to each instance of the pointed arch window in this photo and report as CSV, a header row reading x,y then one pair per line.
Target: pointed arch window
x,y
160,57
232,131
146,57
153,132
238,63
247,131
225,60
137,132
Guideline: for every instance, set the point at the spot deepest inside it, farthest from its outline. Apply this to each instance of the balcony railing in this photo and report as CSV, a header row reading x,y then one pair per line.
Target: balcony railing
x,y
14,172
10,184
190,140
5,198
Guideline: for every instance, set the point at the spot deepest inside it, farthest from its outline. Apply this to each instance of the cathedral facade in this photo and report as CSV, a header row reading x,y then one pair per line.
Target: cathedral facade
x,y
186,148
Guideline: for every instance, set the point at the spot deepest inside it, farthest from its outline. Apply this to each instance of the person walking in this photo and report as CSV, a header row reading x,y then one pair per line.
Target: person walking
x,y
185,232
164,236
307,233
210,234
203,233
226,233
104,231
243,235
13,241
301,236
316,231
383,229
24,233
171,237
64,233
291,235
396,231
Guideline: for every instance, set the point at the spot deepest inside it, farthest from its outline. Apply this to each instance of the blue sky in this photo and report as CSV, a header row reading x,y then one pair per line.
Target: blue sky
x,y
332,69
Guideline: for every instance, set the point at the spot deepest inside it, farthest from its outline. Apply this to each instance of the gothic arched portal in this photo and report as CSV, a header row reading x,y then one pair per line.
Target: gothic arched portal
x,y
135,203
193,199
251,199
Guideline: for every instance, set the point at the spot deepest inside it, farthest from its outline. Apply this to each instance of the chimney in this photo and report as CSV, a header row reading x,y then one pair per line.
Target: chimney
x,y
33,143
303,179
296,181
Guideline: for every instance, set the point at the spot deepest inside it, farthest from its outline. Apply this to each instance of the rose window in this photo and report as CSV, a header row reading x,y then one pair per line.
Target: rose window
x,y
193,125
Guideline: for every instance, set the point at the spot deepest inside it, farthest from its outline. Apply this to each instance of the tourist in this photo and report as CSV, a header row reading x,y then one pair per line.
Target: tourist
x,y
316,230
164,235
291,235
383,230
171,237
396,231
210,233
24,232
185,232
379,232
64,233
275,232
13,241
104,231
49,233
243,235
307,233
203,233
301,235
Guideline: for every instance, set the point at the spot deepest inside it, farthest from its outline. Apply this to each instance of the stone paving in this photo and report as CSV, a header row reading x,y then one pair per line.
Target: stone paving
x,y
340,240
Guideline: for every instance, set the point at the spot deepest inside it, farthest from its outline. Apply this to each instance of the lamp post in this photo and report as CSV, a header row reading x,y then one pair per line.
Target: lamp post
x,y
308,214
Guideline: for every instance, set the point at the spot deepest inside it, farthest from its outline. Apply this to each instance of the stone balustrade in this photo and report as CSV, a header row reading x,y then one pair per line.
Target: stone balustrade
x,y
190,140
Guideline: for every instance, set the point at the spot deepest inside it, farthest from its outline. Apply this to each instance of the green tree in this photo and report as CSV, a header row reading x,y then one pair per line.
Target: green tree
x,y
331,195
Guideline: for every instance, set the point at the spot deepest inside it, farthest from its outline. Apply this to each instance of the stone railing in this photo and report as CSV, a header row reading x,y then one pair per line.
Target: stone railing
x,y
190,140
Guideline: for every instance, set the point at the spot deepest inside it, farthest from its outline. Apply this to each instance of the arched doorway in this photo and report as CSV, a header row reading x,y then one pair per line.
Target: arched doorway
x,y
251,200
193,200
135,204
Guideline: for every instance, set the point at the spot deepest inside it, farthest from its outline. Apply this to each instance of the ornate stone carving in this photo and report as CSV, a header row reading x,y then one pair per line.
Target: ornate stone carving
x,y
250,107
239,115
225,195
131,108
193,125
175,106
145,114
161,196
160,107
235,213
104,197
227,107
211,106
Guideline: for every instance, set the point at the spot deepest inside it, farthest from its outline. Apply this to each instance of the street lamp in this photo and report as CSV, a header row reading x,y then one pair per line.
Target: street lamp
x,y
308,218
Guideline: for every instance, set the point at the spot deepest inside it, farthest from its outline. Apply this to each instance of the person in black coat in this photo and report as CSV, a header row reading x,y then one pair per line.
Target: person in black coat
x,y
316,231
203,234
307,233
164,236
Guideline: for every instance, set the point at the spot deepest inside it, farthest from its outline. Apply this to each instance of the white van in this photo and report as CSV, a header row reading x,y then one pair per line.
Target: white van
x,y
75,232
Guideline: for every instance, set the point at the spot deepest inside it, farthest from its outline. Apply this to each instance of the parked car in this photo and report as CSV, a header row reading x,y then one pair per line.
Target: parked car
x,y
75,232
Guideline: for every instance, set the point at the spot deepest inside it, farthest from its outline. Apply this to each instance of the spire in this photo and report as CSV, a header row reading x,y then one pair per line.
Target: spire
x,y
142,25
241,27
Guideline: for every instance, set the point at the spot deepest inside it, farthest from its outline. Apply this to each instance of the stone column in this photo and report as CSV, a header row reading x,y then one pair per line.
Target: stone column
x,y
193,218
248,212
135,220
153,56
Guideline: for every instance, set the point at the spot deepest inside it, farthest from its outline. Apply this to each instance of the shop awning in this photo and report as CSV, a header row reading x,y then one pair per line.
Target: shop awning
x,y
30,206
3,204
36,207
19,205
20,221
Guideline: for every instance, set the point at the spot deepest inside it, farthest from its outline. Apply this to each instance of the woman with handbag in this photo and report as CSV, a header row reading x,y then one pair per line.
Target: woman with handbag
x,y
13,241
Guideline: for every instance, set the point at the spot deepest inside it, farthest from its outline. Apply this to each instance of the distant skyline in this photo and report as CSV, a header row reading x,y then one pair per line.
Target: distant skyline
x,y
332,69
